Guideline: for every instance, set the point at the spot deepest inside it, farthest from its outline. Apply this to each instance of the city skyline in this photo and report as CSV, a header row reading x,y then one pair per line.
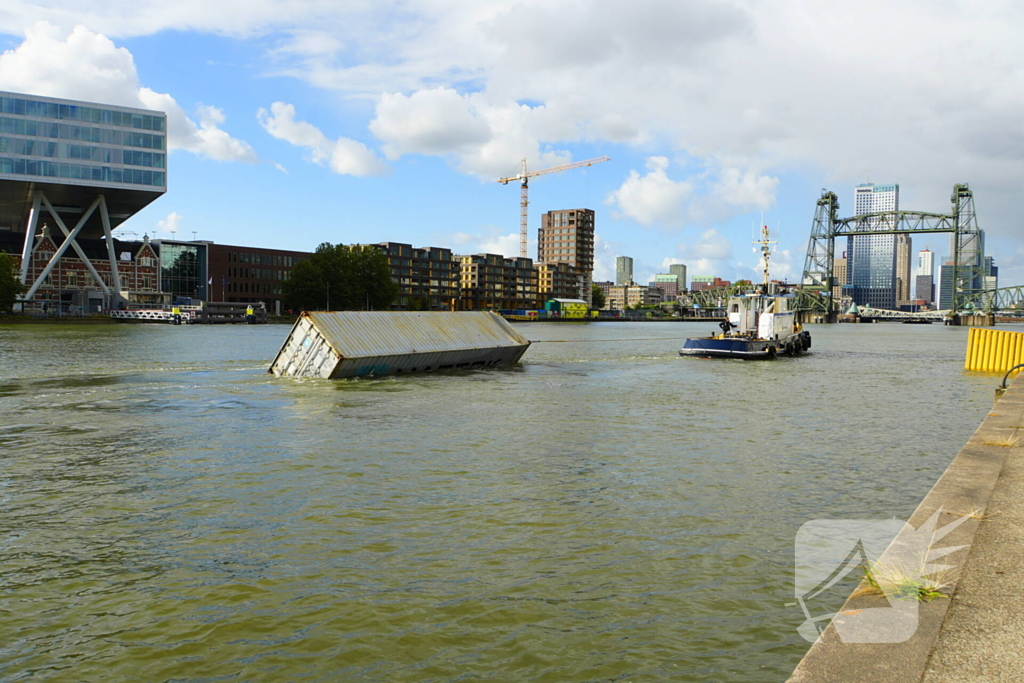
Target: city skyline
x,y
271,110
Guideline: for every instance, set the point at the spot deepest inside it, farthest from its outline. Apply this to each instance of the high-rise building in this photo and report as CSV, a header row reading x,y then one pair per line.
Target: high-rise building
x,y
623,270
668,283
924,289
567,236
925,262
946,288
679,269
839,272
903,281
81,165
872,258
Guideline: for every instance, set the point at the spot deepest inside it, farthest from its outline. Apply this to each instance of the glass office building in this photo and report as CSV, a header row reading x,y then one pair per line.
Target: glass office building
x,y
871,266
46,138
183,269
87,166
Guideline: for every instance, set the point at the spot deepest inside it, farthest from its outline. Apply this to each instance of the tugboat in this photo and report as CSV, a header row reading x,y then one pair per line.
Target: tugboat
x,y
761,324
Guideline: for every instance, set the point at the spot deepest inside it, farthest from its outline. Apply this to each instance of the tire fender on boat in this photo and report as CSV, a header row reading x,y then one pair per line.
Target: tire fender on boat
x,y
771,351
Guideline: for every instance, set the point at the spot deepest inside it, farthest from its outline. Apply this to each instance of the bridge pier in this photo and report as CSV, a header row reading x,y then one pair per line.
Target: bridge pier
x,y
975,319
815,317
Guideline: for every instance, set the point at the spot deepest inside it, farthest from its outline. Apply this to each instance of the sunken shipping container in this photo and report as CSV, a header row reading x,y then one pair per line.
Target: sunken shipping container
x,y
357,343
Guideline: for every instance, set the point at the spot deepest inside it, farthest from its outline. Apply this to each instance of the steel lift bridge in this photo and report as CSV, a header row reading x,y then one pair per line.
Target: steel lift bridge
x,y
817,284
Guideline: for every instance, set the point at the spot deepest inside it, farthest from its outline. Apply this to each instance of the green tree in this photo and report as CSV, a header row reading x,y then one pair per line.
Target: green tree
x,y
10,286
341,278
597,296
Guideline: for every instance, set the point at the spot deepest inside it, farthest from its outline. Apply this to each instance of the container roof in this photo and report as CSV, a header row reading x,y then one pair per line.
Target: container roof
x,y
355,334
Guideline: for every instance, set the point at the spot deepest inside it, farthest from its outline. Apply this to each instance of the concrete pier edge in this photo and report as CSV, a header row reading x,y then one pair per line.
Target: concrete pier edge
x,y
965,487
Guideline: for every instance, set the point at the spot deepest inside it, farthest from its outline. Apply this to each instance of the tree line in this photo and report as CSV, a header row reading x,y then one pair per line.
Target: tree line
x,y
10,286
339,277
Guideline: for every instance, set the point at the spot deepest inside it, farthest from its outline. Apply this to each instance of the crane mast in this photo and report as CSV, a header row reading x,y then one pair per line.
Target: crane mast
x,y
524,201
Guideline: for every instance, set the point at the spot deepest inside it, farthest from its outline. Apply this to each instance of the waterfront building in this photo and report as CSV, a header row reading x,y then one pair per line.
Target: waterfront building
x,y
71,287
568,308
184,269
428,278
669,285
605,285
701,282
623,270
250,274
679,270
567,236
623,296
83,169
493,282
872,258
558,281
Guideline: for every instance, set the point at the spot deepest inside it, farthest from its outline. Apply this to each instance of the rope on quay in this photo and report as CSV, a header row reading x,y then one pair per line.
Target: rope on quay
x,y
576,341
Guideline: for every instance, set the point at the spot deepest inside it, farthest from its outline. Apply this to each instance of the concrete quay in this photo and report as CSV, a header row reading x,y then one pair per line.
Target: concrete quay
x,y
977,635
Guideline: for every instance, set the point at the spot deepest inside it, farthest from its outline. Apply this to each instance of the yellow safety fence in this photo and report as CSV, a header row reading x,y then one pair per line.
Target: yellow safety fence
x,y
993,350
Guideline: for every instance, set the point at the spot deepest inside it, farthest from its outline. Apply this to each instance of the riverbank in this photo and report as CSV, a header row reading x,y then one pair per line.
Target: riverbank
x,y
976,632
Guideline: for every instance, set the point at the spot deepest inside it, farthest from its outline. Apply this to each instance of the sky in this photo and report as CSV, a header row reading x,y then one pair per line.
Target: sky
x,y
297,122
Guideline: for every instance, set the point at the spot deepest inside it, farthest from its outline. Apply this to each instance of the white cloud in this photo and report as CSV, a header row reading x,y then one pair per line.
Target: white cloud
x,y
713,245
170,225
88,66
483,139
344,156
438,121
489,240
654,197
713,195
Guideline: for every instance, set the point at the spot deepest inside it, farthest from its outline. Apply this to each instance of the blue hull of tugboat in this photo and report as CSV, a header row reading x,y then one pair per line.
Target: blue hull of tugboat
x,y
746,349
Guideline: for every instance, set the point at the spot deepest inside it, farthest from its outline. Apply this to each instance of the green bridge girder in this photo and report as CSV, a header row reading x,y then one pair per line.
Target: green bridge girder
x,y
1002,300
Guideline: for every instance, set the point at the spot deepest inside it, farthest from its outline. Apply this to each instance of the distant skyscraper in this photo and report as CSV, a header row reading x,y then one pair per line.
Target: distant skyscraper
x,y
924,285
946,288
903,280
840,273
926,262
872,258
623,270
680,270
567,236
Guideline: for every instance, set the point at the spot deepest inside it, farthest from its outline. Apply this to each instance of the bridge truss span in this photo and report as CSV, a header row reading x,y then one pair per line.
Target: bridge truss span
x,y
818,282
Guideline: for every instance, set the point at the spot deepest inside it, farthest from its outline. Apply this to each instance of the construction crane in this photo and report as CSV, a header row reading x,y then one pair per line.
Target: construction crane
x,y
524,176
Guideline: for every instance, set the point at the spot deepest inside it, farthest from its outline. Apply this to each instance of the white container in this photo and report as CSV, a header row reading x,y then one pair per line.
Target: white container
x,y
357,343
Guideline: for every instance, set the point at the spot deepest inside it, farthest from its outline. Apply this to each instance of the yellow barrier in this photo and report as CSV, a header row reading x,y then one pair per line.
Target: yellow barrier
x,y
993,350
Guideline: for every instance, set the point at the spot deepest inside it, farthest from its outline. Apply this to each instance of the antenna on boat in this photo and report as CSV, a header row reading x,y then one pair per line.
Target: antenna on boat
x,y
766,251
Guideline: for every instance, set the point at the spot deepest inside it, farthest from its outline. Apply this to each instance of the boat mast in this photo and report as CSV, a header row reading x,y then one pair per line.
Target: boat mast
x,y
766,250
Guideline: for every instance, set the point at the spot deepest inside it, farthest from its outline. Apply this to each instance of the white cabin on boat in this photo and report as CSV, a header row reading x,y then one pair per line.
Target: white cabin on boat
x,y
762,316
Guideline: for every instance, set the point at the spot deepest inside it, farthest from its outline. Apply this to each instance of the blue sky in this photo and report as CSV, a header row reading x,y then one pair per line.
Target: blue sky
x,y
309,121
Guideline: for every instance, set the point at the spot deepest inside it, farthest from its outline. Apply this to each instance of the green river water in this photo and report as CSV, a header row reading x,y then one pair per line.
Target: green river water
x,y
606,511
